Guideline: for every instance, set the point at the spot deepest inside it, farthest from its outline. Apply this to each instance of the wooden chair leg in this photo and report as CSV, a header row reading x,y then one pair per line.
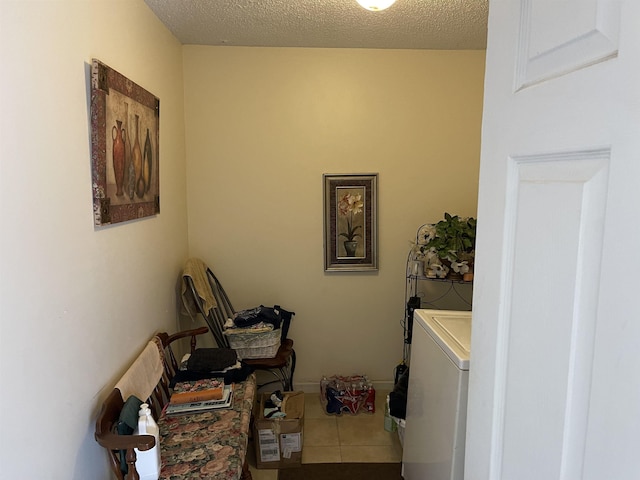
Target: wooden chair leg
x,y
246,473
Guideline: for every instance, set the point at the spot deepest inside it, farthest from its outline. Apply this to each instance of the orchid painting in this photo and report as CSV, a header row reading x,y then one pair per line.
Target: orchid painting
x,y
348,206
350,222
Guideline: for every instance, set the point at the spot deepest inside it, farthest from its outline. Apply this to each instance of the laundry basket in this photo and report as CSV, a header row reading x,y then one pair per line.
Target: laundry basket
x,y
254,345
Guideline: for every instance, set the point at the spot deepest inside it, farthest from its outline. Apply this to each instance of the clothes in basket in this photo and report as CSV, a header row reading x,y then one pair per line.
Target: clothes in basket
x,y
257,332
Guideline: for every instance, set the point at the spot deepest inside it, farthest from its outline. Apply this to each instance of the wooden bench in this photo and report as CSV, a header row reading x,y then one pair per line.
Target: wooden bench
x,y
211,444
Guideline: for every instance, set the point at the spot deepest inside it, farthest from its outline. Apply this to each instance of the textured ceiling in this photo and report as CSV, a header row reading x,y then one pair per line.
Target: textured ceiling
x,y
412,24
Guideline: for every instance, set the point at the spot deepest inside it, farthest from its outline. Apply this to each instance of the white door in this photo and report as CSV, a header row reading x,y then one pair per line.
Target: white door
x,y
554,388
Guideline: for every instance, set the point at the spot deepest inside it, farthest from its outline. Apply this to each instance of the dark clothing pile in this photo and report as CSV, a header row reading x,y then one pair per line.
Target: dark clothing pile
x,y
253,316
233,375
213,363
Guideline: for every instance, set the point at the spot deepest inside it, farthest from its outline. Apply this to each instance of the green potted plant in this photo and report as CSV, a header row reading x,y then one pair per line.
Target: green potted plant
x,y
451,241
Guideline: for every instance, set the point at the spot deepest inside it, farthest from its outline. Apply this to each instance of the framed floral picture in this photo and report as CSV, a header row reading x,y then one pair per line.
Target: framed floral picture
x,y
350,222
125,124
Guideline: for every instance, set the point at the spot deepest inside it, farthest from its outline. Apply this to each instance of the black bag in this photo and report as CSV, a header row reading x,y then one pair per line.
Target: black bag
x,y
286,321
205,360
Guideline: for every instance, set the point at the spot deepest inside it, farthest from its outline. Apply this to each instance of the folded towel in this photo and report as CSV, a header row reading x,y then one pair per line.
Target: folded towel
x,y
196,270
145,372
258,328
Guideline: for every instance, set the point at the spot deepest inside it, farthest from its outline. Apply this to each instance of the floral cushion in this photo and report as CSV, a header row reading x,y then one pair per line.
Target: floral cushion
x,y
211,444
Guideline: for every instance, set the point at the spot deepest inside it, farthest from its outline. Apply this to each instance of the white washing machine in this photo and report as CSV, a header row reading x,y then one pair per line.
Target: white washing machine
x,y
436,419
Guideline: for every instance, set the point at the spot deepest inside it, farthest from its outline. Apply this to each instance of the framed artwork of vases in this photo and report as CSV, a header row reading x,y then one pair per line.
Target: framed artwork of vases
x,y
125,128
350,222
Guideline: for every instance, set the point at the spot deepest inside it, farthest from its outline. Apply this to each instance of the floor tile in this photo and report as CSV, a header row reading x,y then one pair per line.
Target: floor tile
x,y
357,438
321,454
263,474
370,454
363,429
313,408
320,432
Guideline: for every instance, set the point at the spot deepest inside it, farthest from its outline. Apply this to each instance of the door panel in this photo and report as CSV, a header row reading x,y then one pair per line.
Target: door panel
x,y
557,38
553,388
552,196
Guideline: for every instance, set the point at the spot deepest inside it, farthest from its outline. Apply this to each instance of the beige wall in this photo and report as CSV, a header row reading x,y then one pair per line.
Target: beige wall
x,y
77,303
264,124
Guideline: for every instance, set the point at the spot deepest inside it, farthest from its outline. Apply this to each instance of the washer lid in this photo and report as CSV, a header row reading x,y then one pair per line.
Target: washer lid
x,y
451,330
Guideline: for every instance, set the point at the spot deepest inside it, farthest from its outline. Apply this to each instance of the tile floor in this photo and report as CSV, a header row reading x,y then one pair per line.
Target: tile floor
x,y
348,438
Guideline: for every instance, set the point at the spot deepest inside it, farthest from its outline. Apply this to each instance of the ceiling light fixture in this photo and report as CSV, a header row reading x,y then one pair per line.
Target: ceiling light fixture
x,y
376,5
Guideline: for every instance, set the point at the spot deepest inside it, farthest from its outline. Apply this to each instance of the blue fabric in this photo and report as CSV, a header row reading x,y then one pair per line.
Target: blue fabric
x,y
127,423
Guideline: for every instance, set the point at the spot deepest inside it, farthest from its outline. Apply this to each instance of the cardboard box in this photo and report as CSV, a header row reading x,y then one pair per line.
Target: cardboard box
x,y
278,441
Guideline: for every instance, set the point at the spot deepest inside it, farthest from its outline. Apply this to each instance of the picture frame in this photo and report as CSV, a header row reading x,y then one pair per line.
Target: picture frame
x,y
350,222
125,130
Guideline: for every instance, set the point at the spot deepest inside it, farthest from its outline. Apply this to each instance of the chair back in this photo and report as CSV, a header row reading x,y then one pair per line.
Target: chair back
x,y
202,291
201,288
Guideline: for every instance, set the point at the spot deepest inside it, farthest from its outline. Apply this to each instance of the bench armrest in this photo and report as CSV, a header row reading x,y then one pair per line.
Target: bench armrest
x,y
185,333
167,340
105,434
113,441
